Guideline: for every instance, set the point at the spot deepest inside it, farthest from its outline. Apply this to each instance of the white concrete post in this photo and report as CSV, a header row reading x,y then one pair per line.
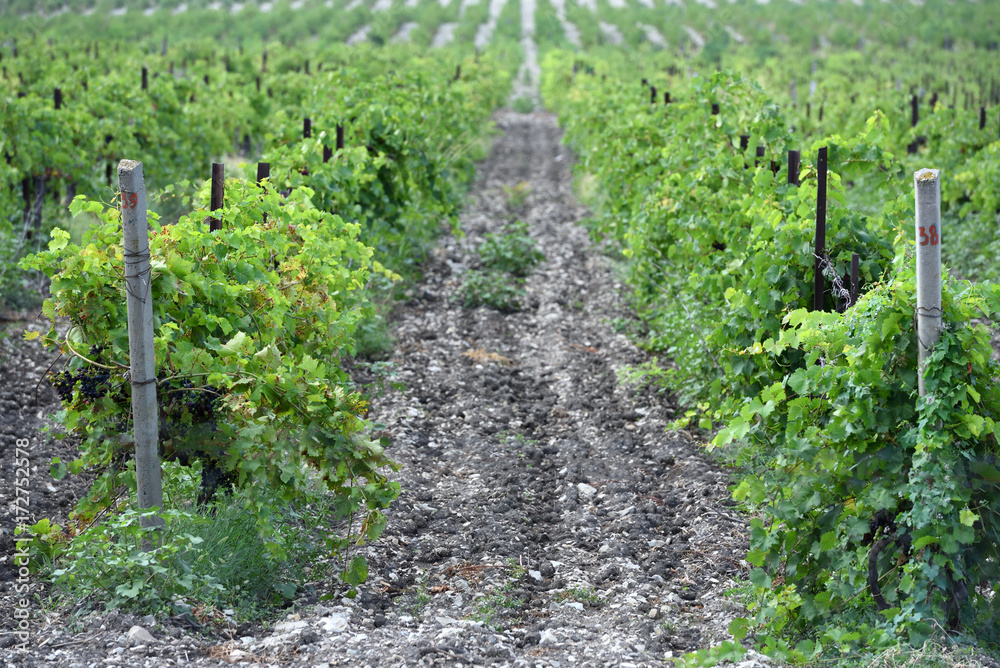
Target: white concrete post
x,y
927,185
139,303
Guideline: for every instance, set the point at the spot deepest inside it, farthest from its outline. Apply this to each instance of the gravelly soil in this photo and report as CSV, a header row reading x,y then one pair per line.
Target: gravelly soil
x,y
547,515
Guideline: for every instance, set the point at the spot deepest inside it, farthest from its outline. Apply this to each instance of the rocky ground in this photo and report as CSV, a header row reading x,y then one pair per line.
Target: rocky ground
x,y
547,516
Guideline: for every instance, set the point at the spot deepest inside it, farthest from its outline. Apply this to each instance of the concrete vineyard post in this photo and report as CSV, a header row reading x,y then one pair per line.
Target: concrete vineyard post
x,y
927,189
820,253
142,361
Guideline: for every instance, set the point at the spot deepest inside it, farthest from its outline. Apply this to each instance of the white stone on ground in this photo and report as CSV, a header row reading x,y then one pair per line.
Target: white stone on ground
x,y
139,636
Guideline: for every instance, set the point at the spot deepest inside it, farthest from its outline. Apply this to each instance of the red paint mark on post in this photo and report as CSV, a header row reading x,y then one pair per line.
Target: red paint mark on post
x,y
130,200
933,238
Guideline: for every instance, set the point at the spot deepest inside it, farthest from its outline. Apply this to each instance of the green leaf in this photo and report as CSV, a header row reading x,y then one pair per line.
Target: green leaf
x,y
967,517
286,589
129,591
57,469
232,347
357,572
985,471
738,628
759,577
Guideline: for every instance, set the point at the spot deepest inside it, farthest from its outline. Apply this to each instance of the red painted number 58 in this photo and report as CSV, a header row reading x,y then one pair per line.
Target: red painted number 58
x,y
131,200
931,238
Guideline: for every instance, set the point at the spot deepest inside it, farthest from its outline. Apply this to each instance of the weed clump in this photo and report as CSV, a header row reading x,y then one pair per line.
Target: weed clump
x,y
507,259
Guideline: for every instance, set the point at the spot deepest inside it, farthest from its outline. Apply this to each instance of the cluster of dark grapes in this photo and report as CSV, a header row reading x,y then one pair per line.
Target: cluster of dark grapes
x,y
201,404
190,427
92,382
191,405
